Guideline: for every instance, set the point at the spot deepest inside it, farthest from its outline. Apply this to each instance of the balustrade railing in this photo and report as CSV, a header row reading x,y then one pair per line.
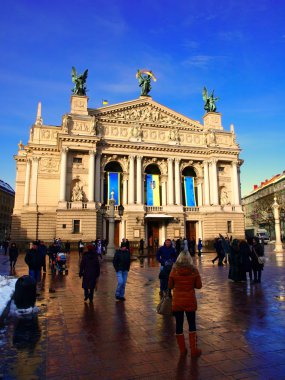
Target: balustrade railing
x,y
190,209
153,208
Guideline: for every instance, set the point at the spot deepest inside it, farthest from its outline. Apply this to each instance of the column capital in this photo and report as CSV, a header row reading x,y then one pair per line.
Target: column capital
x,y
64,149
214,161
36,159
92,152
131,157
170,159
139,157
206,162
234,163
177,160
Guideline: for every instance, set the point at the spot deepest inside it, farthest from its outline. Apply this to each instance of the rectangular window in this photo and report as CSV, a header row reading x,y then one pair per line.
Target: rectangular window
x,y
221,169
77,160
64,226
229,227
76,226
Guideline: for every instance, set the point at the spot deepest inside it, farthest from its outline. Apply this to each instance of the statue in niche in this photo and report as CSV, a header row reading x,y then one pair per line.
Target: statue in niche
x,y
65,123
224,197
210,101
79,81
77,193
211,138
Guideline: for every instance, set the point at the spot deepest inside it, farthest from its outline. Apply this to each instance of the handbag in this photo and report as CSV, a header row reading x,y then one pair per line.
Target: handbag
x,y
165,305
261,259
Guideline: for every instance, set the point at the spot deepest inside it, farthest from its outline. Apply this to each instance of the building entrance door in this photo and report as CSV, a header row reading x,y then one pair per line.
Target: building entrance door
x,y
191,230
153,236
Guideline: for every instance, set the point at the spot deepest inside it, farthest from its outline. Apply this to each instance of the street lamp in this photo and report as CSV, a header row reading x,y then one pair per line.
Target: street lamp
x,y
103,210
121,209
278,243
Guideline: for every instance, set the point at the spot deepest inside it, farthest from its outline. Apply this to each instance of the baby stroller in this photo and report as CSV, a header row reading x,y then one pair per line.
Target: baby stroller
x,y
60,263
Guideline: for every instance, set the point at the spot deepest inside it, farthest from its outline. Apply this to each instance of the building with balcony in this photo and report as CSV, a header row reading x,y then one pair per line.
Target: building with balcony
x,y
7,197
257,205
174,176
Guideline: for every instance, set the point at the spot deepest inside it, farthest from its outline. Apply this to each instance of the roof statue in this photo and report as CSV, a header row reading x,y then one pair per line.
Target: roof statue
x,y
210,101
79,81
144,77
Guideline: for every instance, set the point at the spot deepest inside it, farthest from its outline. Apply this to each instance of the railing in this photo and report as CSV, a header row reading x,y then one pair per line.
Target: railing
x,y
153,208
115,207
190,209
69,205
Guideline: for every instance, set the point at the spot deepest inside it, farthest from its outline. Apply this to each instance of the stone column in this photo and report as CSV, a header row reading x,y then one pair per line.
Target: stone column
x,y
278,242
102,186
206,184
170,181
111,218
235,184
200,230
34,184
91,176
163,233
97,177
125,189
131,194
214,182
200,196
62,186
27,183
122,230
139,180
163,190
177,182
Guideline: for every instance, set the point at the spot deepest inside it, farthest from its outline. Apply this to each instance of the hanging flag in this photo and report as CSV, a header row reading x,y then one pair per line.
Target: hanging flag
x,y
189,190
105,102
152,190
114,186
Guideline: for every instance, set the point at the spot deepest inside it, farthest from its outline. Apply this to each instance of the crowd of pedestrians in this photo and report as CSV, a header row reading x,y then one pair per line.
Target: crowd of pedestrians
x,y
177,274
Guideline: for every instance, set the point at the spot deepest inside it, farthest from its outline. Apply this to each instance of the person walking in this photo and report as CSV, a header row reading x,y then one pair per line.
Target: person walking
x,y
121,263
90,272
43,252
245,260
184,279
165,253
13,256
80,248
178,246
67,247
257,251
235,262
200,246
141,247
34,261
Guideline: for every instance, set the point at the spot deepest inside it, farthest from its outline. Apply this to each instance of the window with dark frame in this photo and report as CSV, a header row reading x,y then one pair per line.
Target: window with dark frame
x,y
77,160
229,226
76,226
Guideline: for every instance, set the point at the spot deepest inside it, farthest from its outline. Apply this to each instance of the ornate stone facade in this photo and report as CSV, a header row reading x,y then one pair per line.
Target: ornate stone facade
x,y
61,174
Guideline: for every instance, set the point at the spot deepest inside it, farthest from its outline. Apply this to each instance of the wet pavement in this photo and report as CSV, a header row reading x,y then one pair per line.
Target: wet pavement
x,y
241,328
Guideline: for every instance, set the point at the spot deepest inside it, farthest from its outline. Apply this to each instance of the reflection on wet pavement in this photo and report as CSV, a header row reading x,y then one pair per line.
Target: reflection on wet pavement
x,y
241,328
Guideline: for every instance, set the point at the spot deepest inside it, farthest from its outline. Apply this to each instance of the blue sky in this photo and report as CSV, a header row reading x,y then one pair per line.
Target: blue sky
x,y
234,47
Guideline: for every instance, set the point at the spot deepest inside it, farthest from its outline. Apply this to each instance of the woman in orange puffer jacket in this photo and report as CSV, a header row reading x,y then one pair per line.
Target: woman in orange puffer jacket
x,y
184,278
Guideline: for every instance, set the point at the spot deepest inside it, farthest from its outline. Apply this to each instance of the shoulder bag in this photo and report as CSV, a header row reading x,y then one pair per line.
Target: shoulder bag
x,y
165,305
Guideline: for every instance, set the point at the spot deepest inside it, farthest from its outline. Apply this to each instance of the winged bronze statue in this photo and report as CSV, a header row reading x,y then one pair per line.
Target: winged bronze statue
x,y
210,101
79,82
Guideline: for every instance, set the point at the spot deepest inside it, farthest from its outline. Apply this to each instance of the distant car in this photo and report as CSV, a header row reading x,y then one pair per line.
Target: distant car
x,y
263,237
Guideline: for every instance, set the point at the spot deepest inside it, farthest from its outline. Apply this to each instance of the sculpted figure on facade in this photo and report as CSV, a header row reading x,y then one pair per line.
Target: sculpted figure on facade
x,y
224,197
211,138
65,122
77,193
163,167
136,133
174,136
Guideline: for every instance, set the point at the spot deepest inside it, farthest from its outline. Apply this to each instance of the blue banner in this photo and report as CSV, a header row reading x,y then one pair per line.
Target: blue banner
x,y
152,190
189,189
114,186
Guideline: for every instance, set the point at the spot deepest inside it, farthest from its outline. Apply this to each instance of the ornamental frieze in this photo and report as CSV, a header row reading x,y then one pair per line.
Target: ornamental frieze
x,y
49,165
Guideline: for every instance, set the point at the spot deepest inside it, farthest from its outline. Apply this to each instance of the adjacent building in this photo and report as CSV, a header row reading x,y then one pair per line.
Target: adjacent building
x,y
7,198
257,205
174,176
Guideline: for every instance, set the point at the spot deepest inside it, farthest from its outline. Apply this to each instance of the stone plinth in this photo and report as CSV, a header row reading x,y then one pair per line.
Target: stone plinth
x,y
213,120
79,105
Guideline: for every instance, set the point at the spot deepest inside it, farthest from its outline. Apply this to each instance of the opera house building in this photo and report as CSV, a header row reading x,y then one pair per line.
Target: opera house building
x,y
174,176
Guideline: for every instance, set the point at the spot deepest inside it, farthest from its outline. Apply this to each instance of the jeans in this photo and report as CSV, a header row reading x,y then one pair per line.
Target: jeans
x,y
122,276
191,318
36,274
89,293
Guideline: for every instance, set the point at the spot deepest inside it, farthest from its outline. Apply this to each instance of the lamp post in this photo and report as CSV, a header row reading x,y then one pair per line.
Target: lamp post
x,y
103,210
278,243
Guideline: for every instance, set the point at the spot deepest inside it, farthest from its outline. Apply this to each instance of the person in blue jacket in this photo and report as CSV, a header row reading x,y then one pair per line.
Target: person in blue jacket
x,y
165,254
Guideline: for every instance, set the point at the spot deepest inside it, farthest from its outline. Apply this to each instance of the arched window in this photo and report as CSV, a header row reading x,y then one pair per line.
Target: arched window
x,y
113,182
189,186
152,188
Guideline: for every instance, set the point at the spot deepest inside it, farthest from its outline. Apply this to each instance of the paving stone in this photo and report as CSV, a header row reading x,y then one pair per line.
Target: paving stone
x,y
241,328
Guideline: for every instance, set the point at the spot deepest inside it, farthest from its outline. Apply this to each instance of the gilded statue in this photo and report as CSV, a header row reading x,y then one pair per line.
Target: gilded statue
x,y
79,81
210,101
144,77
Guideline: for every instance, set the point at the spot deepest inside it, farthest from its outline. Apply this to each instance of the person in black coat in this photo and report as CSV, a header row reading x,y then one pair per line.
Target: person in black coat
x,y
34,261
121,263
257,251
13,256
90,271
245,260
